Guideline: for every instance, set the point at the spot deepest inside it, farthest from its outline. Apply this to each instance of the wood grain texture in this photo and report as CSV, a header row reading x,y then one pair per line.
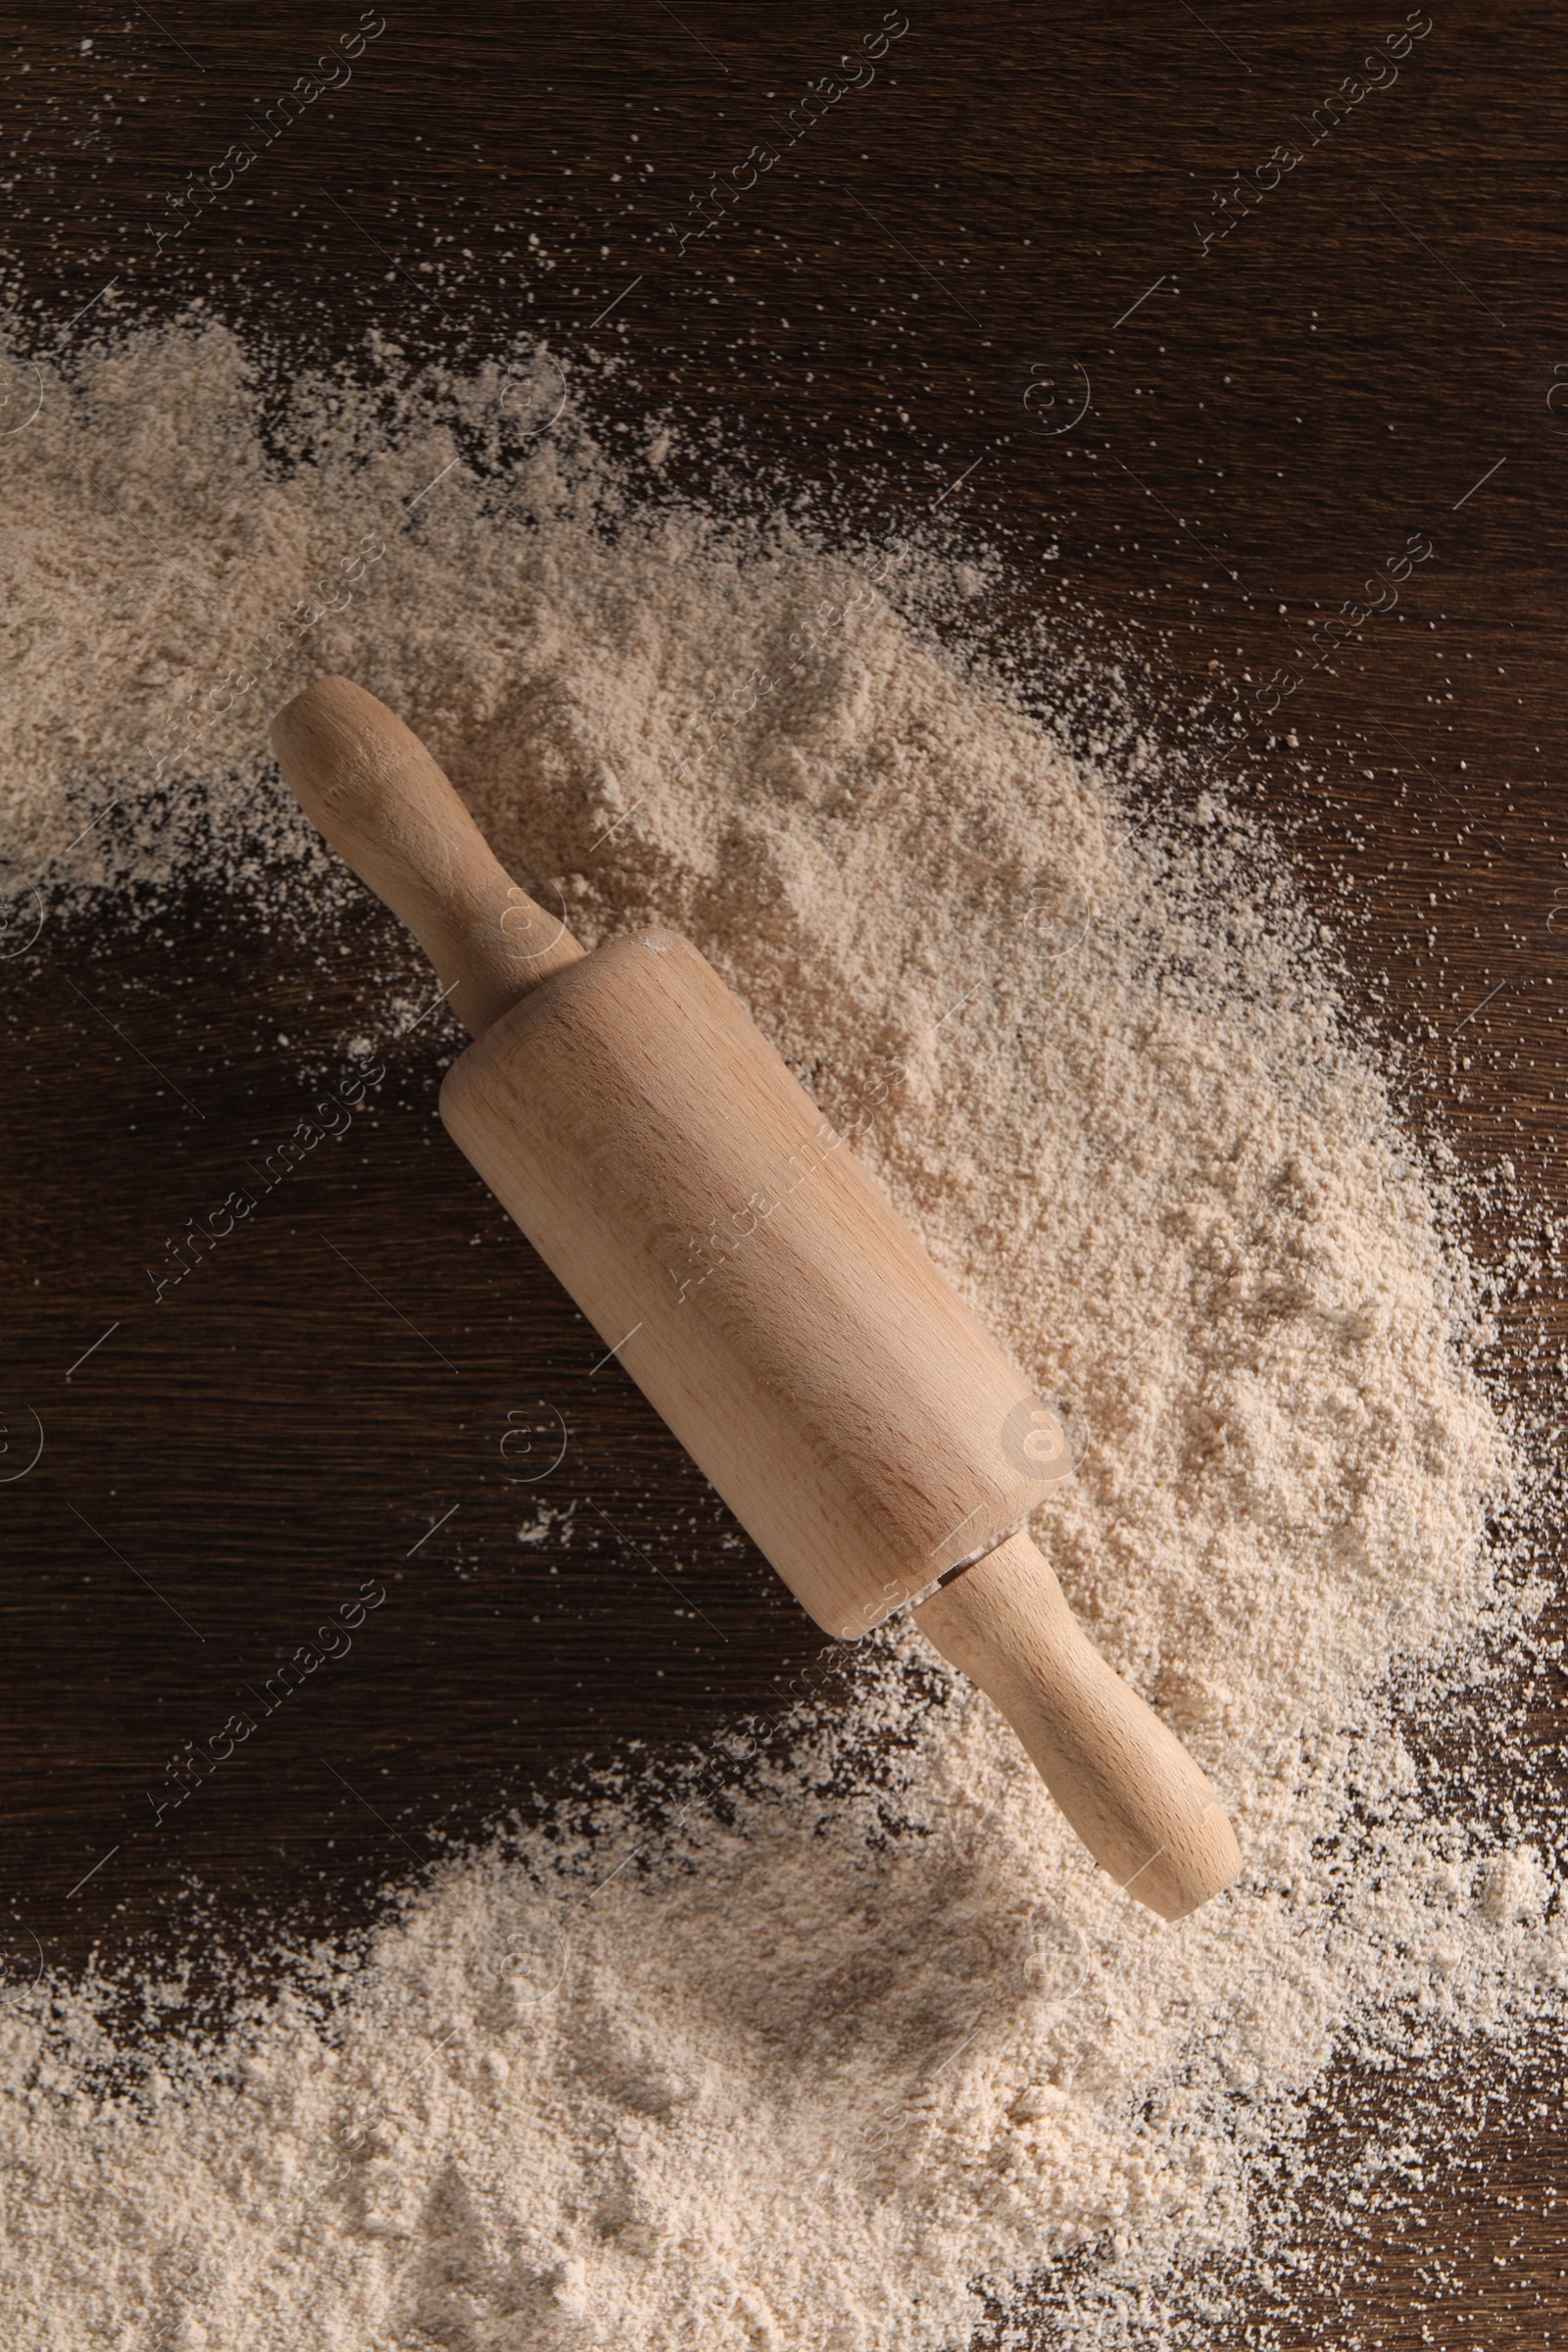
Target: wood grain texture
x,y
1371,350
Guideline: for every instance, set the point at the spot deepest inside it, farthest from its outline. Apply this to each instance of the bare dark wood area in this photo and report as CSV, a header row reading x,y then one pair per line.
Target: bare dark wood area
x,y
1015,272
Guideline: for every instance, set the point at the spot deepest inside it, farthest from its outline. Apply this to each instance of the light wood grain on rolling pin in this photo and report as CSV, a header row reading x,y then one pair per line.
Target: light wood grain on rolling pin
x,y
849,1407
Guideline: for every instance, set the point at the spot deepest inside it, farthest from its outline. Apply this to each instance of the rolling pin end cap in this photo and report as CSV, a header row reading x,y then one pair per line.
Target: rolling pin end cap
x,y
1192,1868
319,739
301,711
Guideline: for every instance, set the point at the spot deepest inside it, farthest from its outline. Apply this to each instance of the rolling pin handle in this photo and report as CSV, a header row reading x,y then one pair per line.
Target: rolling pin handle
x,y
1121,1777
372,789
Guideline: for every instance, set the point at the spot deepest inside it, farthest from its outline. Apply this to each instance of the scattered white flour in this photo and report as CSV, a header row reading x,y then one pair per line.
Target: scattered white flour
x,y
786,2080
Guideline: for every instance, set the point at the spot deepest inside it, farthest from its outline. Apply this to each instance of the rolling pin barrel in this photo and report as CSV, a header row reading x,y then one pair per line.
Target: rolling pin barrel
x,y
748,1274
760,1288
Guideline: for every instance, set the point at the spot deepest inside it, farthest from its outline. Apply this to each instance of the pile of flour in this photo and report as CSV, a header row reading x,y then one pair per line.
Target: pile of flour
x,y
772,2076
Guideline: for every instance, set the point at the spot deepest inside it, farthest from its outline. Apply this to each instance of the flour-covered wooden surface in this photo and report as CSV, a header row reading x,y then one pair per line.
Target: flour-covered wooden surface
x,y
1244,334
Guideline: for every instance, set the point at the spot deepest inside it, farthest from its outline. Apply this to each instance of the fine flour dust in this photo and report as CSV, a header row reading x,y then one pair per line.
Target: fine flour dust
x,y
787,2081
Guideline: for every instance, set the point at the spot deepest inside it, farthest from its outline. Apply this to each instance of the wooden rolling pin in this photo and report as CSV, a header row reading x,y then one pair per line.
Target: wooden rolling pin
x,y
760,1288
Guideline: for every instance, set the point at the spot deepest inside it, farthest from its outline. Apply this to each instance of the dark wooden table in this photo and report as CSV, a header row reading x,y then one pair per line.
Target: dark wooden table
x,y
1058,265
